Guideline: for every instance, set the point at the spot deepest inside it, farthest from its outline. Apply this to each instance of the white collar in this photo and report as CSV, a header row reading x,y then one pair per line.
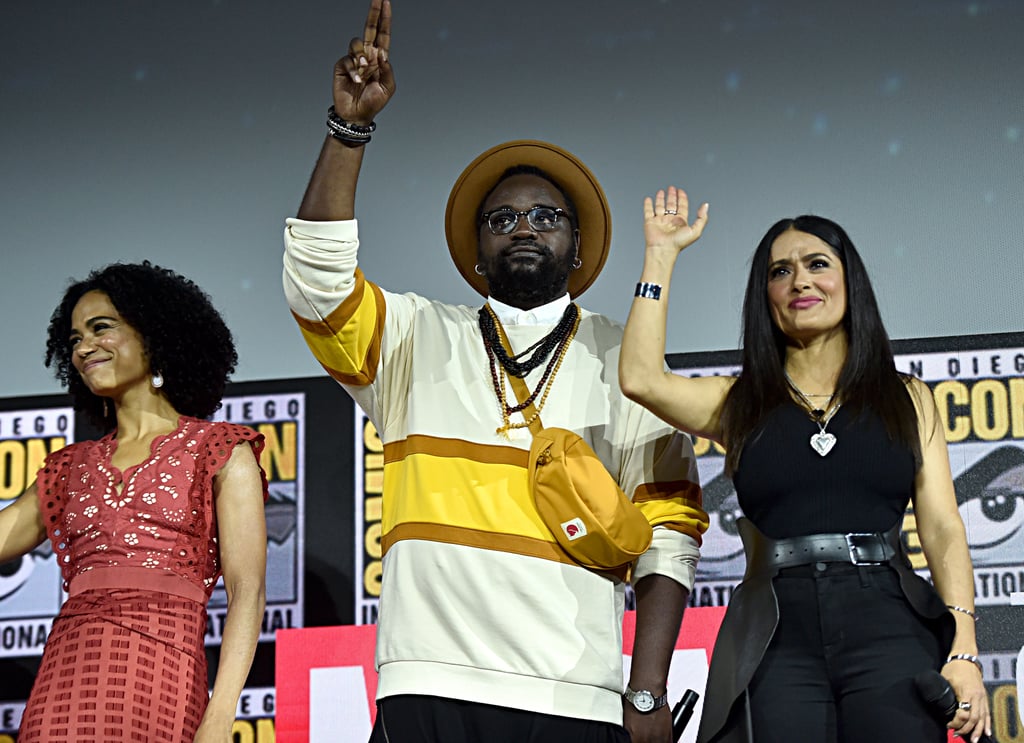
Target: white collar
x,y
545,314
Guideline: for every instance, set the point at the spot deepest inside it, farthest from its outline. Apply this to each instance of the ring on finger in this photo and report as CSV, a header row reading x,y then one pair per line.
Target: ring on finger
x,y
965,706
671,211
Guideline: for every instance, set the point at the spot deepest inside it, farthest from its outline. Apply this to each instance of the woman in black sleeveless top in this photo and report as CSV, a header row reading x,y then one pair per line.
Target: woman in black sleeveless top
x,y
827,445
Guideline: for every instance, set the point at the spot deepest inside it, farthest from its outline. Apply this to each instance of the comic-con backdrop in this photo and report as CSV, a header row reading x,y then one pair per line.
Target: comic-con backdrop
x,y
325,464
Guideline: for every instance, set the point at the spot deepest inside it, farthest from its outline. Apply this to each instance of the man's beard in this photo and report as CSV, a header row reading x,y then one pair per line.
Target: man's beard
x,y
528,283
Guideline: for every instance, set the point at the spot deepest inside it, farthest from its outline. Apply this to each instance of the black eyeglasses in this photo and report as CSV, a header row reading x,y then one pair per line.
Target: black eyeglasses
x,y
540,218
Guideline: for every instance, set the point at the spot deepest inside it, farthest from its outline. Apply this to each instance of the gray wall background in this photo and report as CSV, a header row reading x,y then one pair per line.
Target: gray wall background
x,y
184,132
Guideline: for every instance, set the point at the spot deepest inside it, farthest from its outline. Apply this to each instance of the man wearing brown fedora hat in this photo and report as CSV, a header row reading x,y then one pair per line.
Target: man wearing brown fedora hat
x,y
501,601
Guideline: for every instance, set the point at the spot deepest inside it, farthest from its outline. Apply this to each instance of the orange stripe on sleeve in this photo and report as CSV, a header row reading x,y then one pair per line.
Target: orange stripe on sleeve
x,y
347,342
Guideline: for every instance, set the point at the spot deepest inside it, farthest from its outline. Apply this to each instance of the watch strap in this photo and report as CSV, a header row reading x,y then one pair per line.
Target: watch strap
x,y
630,696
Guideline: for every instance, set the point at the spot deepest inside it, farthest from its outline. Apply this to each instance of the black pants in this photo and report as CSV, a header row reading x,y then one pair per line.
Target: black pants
x,y
423,719
840,667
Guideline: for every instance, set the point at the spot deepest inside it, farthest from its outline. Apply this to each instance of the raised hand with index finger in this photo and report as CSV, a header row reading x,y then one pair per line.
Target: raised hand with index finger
x,y
363,79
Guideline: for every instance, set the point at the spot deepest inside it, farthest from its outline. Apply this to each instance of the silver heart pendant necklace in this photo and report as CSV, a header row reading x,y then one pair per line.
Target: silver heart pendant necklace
x,y
822,442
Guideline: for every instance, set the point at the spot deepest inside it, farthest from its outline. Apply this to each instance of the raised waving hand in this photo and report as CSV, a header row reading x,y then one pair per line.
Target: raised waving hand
x,y
666,220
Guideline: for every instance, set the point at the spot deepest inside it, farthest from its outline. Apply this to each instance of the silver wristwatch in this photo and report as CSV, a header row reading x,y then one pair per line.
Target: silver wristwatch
x,y
644,701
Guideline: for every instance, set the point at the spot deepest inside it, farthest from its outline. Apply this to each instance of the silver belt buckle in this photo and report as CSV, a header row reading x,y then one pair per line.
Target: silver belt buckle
x,y
853,548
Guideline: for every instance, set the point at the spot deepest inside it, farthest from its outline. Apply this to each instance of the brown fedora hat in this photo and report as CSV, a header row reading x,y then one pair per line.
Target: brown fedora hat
x,y
462,217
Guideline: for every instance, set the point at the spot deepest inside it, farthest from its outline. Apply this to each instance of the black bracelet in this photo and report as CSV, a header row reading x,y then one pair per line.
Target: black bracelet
x,y
347,132
647,290
348,139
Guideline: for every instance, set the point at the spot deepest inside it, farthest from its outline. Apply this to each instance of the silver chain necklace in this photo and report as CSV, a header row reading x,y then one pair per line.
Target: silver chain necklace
x,y
823,441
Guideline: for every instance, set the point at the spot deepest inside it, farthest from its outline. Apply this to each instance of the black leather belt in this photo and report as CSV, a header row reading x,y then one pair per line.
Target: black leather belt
x,y
769,555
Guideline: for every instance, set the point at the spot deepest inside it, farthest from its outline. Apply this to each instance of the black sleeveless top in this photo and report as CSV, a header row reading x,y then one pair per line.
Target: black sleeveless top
x,y
787,489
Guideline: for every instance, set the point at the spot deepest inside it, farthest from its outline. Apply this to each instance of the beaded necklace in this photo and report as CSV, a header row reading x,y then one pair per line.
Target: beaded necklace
x,y
517,365
557,341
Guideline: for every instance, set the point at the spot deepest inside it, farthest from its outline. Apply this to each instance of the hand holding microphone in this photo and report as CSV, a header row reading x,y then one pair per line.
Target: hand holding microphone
x,y
940,698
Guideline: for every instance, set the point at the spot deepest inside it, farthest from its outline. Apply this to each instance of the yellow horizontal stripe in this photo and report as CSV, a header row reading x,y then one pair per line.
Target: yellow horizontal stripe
x,y
678,514
674,505
479,496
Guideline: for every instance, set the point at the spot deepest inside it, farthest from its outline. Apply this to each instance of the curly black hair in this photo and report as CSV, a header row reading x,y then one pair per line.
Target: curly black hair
x,y
183,336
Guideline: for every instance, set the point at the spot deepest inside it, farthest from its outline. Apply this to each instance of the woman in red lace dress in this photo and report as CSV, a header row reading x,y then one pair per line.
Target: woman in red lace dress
x,y
144,521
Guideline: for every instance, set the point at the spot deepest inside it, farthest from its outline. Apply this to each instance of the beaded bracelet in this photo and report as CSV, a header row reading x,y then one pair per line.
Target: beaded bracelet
x,y
346,131
647,290
962,610
966,656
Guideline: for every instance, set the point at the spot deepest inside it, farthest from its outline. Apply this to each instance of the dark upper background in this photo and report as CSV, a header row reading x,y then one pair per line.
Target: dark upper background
x,y
184,132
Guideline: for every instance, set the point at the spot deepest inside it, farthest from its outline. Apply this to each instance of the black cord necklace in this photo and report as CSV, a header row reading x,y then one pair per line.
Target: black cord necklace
x,y
496,354
518,366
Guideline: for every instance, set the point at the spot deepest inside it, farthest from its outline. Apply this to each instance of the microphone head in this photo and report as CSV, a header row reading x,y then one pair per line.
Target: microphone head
x,y
936,693
682,713
689,699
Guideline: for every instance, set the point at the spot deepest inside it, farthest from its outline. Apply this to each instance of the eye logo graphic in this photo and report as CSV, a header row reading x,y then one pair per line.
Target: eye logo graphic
x,y
990,495
574,529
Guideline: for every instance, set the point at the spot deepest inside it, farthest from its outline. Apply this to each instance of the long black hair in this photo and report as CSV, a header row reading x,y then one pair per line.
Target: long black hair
x,y
183,336
868,379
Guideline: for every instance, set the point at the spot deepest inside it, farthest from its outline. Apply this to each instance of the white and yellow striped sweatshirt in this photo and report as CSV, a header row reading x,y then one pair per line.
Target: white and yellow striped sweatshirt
x,y
477,601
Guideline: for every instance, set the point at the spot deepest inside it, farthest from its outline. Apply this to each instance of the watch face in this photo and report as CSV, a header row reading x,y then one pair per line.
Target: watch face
x,y
643,701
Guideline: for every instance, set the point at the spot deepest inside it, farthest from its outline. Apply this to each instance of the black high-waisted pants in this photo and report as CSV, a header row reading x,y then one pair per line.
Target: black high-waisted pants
x,y
841,664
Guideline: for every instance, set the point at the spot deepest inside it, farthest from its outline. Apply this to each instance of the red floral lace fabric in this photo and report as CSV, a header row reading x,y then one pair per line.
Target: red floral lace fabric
x,y
157,515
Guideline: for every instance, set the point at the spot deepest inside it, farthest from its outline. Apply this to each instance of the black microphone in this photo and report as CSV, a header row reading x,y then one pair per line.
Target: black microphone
x,y
939,697
682,713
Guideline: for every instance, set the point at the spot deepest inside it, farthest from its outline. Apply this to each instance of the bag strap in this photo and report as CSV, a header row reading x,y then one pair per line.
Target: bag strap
x,y
519,386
